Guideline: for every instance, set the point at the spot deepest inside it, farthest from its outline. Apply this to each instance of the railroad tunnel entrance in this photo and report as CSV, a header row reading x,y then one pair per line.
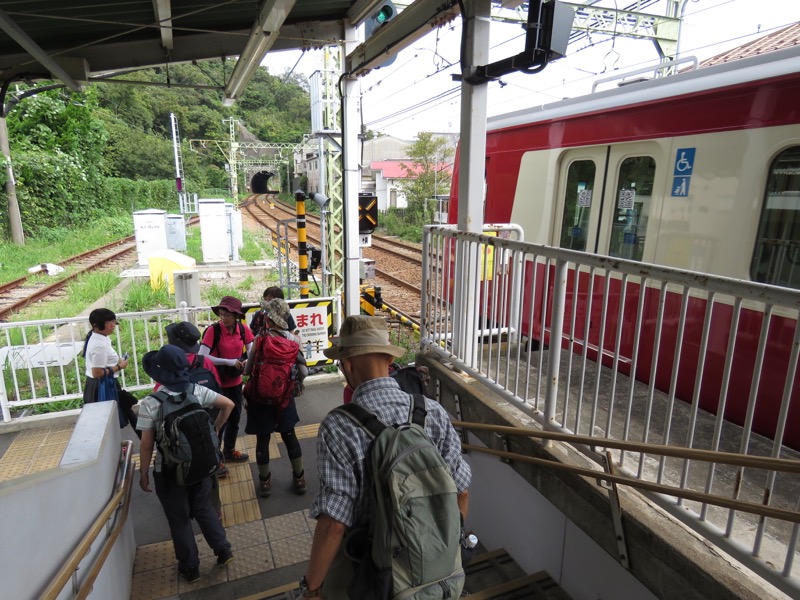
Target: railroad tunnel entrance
x,y
259,184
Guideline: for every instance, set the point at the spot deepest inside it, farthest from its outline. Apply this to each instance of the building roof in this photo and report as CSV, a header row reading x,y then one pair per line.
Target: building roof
x,y
394,169
783,38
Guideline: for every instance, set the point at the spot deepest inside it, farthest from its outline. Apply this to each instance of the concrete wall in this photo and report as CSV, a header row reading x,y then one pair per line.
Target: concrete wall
x,y
552,520
47,514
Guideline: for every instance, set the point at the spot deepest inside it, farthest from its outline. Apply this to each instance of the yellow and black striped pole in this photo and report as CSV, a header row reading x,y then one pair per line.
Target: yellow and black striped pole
x,y
302,249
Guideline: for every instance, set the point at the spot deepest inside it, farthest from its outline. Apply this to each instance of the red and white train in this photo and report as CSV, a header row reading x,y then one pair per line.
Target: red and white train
x,y
699,171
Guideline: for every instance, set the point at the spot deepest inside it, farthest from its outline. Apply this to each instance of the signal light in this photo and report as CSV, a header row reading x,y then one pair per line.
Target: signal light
x,y
385,13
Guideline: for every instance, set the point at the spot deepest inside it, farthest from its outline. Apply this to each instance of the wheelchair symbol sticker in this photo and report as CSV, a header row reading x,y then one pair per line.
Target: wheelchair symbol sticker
x,y
684,162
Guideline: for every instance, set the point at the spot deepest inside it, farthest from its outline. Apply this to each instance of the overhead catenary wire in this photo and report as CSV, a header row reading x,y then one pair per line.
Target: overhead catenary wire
x,y
438,99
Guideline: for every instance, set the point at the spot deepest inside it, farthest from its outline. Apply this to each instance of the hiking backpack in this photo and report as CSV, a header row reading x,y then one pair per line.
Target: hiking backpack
x,y
412,548
186,437
274,373
200,375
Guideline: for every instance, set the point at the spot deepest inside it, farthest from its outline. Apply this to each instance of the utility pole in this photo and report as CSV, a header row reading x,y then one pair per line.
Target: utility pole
x,y
14,216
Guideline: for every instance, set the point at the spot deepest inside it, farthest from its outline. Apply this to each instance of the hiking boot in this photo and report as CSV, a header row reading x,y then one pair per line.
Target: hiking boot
x,y
266,487
222,471
236,456
190,575
224,556
299,485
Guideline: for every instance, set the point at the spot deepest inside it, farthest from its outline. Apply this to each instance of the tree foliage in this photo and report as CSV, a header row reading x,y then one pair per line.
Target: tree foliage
x,y
109,150
428,173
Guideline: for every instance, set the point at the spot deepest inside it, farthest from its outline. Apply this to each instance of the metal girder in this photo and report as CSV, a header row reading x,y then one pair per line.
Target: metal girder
x,y
265,31
14,31
624,22
628,23
163,11
413,23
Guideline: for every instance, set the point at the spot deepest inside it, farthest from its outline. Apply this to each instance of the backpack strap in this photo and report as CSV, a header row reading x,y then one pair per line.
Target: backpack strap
x,y
367,420
197,362
161,395
216,329
215,335
417,412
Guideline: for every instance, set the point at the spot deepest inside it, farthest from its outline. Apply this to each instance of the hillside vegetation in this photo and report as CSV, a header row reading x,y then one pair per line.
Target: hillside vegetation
x,y
108,151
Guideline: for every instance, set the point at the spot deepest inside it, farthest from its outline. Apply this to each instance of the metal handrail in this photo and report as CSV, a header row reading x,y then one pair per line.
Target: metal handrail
x,y
759,462
120,499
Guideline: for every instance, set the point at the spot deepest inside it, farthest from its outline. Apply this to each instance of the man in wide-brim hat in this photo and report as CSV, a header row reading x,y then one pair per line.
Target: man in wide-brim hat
x,y
169,367
364,353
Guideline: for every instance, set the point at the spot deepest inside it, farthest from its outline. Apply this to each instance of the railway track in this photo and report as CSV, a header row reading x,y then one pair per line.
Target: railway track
x,y
24,291
398,264
16,295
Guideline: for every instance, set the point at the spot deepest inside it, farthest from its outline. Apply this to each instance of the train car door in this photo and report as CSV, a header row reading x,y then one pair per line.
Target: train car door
x,y
631,201
580,184
607,196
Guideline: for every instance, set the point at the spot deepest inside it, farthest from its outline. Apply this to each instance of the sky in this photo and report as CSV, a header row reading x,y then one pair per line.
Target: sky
x,y
416,93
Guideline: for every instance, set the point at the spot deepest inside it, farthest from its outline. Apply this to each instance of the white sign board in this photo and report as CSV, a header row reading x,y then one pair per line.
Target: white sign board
x,y
313,323
626,198
49,354
365,240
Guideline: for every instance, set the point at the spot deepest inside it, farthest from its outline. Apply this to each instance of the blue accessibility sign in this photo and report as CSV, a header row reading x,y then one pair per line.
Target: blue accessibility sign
x,y
682,173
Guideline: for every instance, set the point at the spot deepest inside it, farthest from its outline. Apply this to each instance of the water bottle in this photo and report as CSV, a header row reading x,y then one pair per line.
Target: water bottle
x,y
469,543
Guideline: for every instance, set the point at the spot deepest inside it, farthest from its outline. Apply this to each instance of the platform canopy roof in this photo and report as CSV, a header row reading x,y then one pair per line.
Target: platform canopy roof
x,y
75,41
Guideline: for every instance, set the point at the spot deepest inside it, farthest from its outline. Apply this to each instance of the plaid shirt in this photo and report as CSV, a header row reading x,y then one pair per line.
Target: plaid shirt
x,y
342,445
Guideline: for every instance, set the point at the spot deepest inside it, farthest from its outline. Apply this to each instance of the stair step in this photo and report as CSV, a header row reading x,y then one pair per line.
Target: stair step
x,y
495,575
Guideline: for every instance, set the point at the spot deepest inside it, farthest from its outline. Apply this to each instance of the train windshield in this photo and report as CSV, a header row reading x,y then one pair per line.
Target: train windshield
x,y
776,257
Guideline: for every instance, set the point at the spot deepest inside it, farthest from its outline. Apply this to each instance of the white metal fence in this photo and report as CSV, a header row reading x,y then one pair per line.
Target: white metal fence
x,y
41,361
645,354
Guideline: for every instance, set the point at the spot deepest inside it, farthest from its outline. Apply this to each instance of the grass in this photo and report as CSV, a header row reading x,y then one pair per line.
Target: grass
x,y
59,243
81,292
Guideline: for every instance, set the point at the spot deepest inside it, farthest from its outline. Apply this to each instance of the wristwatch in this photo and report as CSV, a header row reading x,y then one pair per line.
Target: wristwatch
x,y
305,592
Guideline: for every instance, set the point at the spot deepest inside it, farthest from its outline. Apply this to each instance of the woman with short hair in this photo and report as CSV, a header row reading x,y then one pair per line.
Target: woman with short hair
x,y
103,361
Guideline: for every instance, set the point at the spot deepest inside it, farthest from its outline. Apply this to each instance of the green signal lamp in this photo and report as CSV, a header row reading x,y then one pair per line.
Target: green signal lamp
x,y
385,13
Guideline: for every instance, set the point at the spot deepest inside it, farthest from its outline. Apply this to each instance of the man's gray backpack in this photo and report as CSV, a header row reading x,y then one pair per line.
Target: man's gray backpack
x,y
411,547
186,437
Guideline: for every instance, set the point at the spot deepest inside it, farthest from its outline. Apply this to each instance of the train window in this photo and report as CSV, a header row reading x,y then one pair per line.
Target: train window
x,y
577,204
776,257
634,193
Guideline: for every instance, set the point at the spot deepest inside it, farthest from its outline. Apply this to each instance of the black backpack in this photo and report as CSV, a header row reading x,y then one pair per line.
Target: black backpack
x,y
411,379
201,376
186,437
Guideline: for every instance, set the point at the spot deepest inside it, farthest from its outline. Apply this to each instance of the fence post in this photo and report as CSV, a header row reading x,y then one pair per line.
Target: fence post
x,y
4,397
556,332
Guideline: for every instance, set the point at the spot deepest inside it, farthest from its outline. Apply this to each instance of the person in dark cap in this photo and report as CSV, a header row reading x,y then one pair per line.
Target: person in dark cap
x,y
227,344
259,321
169,367
264,419
364,353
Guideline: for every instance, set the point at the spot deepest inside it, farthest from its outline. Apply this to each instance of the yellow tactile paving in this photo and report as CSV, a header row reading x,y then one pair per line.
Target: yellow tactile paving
x,y
156,583
34,451
307,431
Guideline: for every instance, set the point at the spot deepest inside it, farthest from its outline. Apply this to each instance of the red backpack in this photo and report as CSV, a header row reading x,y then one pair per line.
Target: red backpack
x,y
272,379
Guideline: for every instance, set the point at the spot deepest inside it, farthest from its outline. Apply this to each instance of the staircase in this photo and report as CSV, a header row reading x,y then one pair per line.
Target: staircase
x,y
494,574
